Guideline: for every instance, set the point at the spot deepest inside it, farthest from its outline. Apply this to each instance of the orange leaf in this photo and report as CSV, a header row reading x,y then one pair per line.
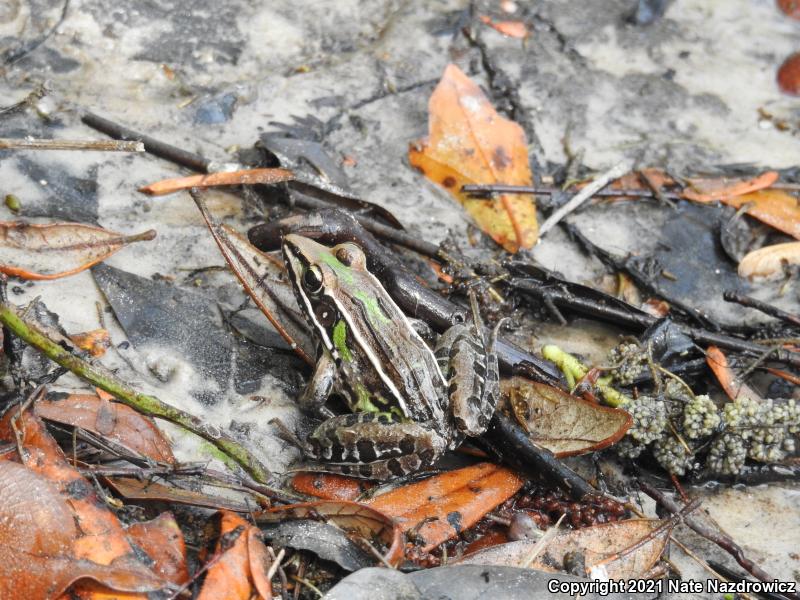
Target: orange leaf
x,y
231,577
330,486
57,250
469,143
440,507
243,177
776,208
95,342
769,260
117,422
728,380
162,540
709,190
515,29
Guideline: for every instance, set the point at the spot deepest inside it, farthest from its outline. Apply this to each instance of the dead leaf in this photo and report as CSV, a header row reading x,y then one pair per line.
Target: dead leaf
x,y
95,342
241,177
733,386
469,143
769,261
564,424
37,535
131,488
366,521
709,190
789,75
231,576
624,549
442,506
514,29
113,420
253,268
162,540
330,486
57,250
776,208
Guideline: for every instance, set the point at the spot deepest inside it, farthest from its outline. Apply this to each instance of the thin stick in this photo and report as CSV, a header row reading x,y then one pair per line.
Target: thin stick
x,y
767,309
582,196
717,536
542,543
100,377
98,145
481,190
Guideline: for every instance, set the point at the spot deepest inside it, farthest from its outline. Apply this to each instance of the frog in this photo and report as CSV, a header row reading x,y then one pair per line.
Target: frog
x,y
409,403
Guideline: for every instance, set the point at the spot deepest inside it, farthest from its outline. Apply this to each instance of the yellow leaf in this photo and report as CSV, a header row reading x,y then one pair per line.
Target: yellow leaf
x,y
769,261
776,208
469,143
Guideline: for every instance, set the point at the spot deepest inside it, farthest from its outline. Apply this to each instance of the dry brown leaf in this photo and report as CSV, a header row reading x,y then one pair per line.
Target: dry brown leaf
x,y
230,576
366,521
776,208
37,534
564,424
769,261
59,249
469,143
131,488
113,420
162,540
242,177
440,507
603,546
709,190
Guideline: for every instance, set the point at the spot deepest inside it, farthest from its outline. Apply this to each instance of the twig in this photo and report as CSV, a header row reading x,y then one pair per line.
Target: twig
x,y
149,405
767,309
720,538
542,543
582,196
43,144
481,190
153,146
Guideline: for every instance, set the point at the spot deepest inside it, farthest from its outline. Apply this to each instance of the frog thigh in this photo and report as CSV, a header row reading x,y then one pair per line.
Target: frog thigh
x,y
375,445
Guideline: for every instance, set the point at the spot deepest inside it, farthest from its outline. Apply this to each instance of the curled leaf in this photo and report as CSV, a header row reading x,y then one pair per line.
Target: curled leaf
x,y
59,249
769,261
440,507
111,420
564,424
709,190
469,143
623,549
242,177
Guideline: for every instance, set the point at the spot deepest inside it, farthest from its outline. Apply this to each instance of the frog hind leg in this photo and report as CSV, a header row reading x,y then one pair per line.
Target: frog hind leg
x,y
473,382
375,445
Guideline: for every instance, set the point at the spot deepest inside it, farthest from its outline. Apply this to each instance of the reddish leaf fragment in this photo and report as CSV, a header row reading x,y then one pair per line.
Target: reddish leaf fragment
x,y
440,507
95,342
728,380
330,486
231,576
162,540
776,208
790,7
243,177
469,143
113,420
59,249
789,75
514,29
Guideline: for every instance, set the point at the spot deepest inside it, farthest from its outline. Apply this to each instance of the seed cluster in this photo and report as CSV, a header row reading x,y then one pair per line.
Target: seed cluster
x,y
629,362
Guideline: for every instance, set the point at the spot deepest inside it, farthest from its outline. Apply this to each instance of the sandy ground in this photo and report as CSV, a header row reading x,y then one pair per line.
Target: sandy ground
x,y
683,93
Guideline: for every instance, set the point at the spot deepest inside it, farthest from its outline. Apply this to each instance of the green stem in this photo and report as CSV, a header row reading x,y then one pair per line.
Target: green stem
x,y
149,405
574,370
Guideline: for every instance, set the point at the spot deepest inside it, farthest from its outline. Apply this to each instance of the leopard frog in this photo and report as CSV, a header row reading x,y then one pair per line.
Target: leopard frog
x,y
409,403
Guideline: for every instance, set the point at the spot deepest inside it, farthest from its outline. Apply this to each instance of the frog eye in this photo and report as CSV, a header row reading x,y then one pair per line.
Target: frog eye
x,y
312,279
350,255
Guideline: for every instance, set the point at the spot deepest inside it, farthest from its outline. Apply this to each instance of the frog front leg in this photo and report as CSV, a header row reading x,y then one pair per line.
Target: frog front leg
x,y
375,445
319,388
